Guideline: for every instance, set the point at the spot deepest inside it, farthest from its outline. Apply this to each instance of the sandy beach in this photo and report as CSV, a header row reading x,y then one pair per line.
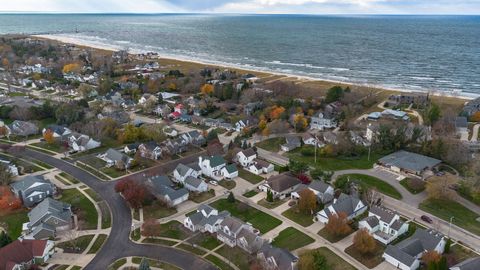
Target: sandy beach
x,y
456,98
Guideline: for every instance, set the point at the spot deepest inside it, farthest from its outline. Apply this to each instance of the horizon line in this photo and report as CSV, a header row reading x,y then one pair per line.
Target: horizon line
x,y
224,13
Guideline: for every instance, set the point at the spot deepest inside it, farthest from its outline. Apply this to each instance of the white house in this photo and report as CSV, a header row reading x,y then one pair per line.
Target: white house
x,y
81,142
323,191
246,157
57,131
260,166
230,171
195,184
212,166
407,254
348,204
183,171
323,121
234,232
162,190
206,219
281,185
113,157
12,168
385,225
309,139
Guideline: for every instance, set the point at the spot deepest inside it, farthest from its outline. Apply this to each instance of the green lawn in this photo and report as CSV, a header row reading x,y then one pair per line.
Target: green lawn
x,y
250,193
13,221
156,211
292,239
367,181
237,256
332,238
369,260
97,244
117,264
334,261
272,144
271,205
201,197
69,177
135,234
191,249
298,217
156,264
218,262
83,207
260,220
77,246
250,177
92,171
334,163
55,147
205,240
414,186
228,184
93,195
173,229
158,242
106,216
113,172
445,209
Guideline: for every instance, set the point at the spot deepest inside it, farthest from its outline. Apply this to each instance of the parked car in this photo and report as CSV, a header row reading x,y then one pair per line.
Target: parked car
x,y
213,183
426,219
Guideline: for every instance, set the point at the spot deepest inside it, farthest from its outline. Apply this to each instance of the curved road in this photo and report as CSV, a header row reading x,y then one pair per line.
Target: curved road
x,y
118,244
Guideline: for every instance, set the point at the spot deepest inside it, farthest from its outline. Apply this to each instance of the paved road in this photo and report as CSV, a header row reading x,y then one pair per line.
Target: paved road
x,y
273,157
118,244
475,133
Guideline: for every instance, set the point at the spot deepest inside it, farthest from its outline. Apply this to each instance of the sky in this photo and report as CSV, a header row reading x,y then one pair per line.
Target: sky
x,y
246,6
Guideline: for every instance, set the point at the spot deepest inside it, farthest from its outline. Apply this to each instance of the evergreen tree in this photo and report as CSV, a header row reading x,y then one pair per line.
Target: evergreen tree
x,y
269,196
447,246
144,265
4,239
442,264
231,198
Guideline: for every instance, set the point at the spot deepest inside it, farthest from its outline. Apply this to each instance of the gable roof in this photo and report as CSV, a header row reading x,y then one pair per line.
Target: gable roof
x,y
216,160
469,264
410,161
194,182
49,207
231,168
283,258
319,186
345,203
234,224
282,182
115,155
248,152
19,252
182,169
31,181
385,215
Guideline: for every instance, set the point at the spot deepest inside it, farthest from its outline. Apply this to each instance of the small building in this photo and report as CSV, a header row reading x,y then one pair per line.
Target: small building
x,y
32,189
323,191
81,143
11,168
47,218
407,254
113,158
291,142
183,171
195,184
234,232
212,166
348,204
25,253
58,131
206,219
385,225
472,107
230,171
163,191
131,148
323,120
281,185
22,128
409,163
309,139
394,114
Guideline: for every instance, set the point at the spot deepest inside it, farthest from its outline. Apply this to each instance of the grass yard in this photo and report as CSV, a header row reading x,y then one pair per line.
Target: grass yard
x,y
206,241
12,222
136,234
106,216
69,177
459,254
191,249
444,209
218,262
334,261
298,217
260,220
370,260
250,193
250,177
173,229
413,185
97,244
92,171
201,197
158,242
228,184
78,245
272,144
113,172
83,207
93,195
332,238
271,205
237,256
117,264
156,211
55,147
292,239
156,264
367,181
335,163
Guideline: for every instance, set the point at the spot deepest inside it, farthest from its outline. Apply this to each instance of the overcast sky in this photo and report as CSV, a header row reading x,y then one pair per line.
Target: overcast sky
x,y
247,6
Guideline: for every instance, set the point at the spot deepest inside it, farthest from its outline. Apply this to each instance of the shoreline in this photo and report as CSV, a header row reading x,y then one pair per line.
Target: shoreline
x,y
101,46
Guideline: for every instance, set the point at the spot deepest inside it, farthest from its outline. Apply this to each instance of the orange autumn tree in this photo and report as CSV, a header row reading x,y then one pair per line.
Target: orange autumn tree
x,y
300,122
73,67
364,242
338,224
48,136
206,89
276,112
475,117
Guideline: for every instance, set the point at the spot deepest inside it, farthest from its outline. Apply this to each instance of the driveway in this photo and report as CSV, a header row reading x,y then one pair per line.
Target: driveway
x,y
118,244
475,133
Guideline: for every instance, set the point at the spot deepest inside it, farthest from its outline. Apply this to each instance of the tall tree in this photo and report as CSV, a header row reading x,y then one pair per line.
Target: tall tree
x,y
151,228
338,224
4,239
307,202
5,175
144,265
364,242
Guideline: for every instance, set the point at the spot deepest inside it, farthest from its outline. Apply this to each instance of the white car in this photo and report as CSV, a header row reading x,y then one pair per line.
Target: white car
x,y
214,183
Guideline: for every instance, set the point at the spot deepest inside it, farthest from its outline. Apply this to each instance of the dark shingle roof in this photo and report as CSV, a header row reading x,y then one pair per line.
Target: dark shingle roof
x,y
282,182
469,264
410,161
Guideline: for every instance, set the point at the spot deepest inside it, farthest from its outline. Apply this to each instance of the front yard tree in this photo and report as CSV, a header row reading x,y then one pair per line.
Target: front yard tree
x,y
269,196
144,265
430,258
4,239
312,259
297,167
338,224
134,193
307,202
438,187
231,197
151,228
48,136
5,175
364,242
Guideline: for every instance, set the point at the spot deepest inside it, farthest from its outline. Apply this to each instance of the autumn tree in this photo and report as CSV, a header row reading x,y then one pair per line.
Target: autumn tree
x,y
338,224
206,89
262,124
438,187
475,117
4,239
363,242
312,260
73,67
276,112
431,256
300,123
4,131
5,175
48,136
307,202
134,193
151,228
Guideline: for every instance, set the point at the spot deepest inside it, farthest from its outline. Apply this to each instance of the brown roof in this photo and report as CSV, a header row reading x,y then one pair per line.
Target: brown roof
x,y
20,251
282,182
249,152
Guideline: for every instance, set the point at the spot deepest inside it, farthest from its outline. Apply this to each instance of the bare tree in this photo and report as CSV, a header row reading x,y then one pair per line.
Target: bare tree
x,y
372,196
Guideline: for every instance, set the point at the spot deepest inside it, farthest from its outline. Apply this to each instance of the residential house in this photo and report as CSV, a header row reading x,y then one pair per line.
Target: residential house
x,y
385,225
163,110
131,148
194,137
394,114
150,150
115,158
81,142
146,97
234,232
468,264
32,189
407,99
348,204
58,132
246,157
323,120
330,137
273,258
183,171
170,131
22,128
212,166
47,218
407,254
195,184
461,125
163,191
409,163
260,166
25,253
206,219
472,107
176,146
11,168
281,185
323,191
292,142
250,108
229,171
374,116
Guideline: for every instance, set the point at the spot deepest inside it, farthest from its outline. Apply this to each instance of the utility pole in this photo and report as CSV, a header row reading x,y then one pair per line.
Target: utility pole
x,y
450,226
316,145
369,150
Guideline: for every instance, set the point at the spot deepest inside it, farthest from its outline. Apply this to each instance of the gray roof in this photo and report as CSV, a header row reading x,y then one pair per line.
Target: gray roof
x,y
385,215
28,182
48,208
461,122
282,182
248,152
397,224
116,155
206,208
345,203
194,182
283,258
319,186
410,161
161,184
194,166
469,264
293,140
233,223
182,169
372,221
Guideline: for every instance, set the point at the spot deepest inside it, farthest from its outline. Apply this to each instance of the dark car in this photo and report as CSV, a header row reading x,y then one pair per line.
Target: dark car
x,y
426,219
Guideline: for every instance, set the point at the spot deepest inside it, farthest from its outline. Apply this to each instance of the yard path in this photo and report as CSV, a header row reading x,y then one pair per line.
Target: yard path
x,y
475,133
